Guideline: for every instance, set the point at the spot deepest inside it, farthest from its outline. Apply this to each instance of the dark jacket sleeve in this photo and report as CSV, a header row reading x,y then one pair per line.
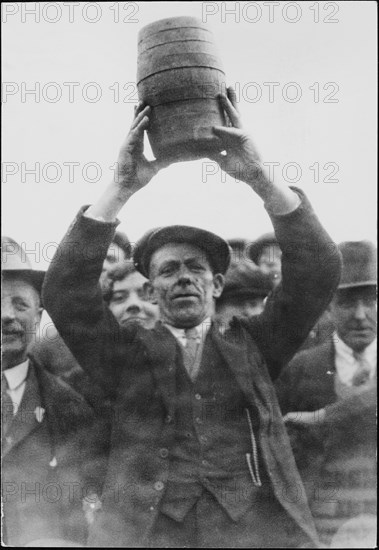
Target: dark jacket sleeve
x,y
361,404
311,266
286,386
72,297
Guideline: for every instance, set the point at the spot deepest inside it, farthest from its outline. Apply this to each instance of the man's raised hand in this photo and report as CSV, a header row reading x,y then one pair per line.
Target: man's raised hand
x,y
134,171
241,159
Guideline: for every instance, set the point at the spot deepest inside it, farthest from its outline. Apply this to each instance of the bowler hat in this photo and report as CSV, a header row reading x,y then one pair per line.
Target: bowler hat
x,y
256,248
215,248
246,281
358,264
15,262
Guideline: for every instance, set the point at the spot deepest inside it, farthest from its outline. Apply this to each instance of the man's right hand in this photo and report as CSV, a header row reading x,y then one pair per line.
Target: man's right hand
x,y
133,170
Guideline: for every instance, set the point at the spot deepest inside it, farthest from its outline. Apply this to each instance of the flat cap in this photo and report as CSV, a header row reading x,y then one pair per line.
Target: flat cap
x,y
255,249
215,248
246,281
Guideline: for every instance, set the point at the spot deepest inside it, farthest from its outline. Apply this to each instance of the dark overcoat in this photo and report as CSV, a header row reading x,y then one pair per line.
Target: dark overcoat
x,y
336,457
49,462
138,367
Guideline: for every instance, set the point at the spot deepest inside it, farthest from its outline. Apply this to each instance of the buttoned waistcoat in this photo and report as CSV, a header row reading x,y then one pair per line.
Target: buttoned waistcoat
x,y
137,367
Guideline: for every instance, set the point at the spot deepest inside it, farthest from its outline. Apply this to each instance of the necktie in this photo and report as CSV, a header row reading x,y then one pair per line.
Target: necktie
x,y
363,372
191,362
6,406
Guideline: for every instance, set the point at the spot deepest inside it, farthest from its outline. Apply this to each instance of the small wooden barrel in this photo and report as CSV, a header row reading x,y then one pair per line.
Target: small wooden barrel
x,y
179,75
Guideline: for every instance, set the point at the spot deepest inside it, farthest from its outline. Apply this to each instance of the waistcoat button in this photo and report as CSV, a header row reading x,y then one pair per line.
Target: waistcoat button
x,y
158,485
163,452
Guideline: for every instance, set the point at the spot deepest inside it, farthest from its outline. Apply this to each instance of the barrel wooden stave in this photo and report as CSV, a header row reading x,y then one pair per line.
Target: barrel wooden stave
x,y
169,23
182,137
175,35
179,84
180,76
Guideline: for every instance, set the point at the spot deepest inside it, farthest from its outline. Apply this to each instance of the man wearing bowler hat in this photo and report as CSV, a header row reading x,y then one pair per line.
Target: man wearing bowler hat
x,y
200,457
46,426
328,396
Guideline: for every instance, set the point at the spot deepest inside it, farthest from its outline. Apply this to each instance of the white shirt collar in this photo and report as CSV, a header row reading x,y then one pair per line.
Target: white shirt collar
x,y
16,375
202,330
346,364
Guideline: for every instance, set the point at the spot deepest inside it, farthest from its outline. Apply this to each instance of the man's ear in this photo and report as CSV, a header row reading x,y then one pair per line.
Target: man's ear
x,y
330,306
39,315
218,285
149,293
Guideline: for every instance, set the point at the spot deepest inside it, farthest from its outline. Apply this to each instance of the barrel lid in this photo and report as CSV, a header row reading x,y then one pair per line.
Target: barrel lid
x,y
168,24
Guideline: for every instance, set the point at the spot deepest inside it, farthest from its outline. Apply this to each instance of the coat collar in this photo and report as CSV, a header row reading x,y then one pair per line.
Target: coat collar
x,y
48,400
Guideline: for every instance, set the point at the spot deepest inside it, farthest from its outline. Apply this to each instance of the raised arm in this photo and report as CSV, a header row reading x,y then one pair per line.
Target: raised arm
x,y
72,295
310,262
133,172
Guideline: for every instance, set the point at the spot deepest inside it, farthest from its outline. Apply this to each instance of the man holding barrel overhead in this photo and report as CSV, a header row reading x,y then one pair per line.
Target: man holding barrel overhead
x,y
199,454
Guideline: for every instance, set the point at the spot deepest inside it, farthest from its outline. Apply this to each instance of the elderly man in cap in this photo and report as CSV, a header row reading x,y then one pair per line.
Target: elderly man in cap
x,y
328,396
245,290
46,426
200,457
267,255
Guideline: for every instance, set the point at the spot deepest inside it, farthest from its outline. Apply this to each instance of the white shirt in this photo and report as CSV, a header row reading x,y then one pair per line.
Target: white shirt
x,y
346,363
16,379
202,331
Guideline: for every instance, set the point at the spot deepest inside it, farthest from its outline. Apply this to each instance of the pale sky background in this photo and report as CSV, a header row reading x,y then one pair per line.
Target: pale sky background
x,y
338,59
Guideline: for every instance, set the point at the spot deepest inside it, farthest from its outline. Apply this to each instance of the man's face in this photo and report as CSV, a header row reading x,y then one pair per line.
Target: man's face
x,y
354,314
183,284
239,306
129,302
20,317
270,262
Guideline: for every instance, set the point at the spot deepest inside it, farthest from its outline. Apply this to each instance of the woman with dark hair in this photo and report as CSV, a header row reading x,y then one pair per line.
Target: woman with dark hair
x,y
127,298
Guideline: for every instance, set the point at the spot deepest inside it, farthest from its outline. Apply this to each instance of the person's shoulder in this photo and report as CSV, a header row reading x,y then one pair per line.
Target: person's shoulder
x,y
59,393
312,358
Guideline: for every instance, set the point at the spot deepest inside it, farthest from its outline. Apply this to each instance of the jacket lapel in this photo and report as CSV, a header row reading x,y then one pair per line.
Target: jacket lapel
x,y
245,361
235,353
163,350
29,416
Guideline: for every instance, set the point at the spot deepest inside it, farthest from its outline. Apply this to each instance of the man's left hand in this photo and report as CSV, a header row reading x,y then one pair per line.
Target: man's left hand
x,y
305,417
242,160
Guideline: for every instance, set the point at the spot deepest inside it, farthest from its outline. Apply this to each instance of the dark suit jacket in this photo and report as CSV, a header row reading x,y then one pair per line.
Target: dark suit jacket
x,y
138,366
48,461
336,458
307,384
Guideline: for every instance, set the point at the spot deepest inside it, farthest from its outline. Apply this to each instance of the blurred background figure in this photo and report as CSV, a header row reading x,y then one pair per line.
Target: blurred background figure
x,y
47,428
119,252
245,290
266,254
50,349
239,250
328,397
127,299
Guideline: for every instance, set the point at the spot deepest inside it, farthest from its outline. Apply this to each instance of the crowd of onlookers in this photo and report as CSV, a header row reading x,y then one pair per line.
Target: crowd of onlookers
x,y
327,394
192,392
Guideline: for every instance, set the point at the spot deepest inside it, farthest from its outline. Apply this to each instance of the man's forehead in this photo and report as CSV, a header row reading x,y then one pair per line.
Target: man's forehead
x,y
17,285
178,251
